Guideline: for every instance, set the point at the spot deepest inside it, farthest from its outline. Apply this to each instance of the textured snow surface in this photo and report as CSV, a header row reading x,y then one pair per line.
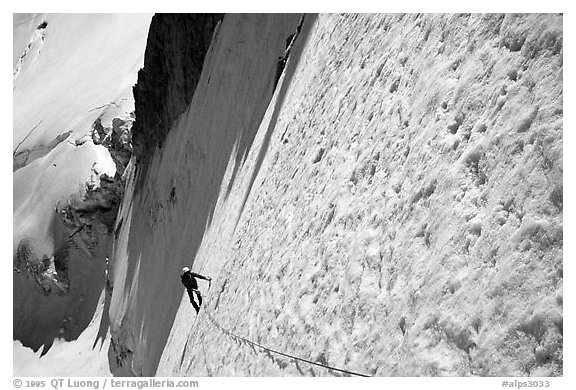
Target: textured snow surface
x,y
397,212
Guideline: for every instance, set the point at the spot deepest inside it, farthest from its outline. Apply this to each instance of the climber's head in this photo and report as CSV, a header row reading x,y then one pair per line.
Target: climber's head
x,y
184,270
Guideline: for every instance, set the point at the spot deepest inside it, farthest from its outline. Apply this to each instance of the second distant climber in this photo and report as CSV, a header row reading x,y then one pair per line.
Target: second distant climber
x,y
189,281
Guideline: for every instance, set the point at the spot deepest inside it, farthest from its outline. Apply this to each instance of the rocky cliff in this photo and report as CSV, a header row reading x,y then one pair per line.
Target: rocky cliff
x,y
173,62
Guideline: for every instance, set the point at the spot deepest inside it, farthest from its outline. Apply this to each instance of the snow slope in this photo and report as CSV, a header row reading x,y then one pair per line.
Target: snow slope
x,y
395,208
75,71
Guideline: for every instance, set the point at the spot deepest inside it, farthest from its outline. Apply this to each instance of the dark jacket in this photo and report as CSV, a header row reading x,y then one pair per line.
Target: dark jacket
x,y
189,280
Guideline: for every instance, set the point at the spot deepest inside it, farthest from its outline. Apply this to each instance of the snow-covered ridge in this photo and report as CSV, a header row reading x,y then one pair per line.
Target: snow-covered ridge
x,y
32,49
73,111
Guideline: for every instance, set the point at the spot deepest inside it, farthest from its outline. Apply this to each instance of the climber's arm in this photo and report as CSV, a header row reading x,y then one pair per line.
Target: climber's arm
x,y
208,278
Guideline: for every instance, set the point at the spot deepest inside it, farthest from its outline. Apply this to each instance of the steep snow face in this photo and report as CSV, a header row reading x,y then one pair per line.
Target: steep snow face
x,y
176,194
72,104
395,209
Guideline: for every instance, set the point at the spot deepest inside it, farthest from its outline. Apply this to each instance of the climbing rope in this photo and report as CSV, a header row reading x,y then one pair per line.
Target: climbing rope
x,y
253,343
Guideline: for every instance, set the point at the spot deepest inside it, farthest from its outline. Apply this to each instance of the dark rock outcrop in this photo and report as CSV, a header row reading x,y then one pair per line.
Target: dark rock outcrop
x,y
117,139
175,51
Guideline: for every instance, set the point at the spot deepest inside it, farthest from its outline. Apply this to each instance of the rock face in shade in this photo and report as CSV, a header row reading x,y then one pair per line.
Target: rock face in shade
x,y
177,44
